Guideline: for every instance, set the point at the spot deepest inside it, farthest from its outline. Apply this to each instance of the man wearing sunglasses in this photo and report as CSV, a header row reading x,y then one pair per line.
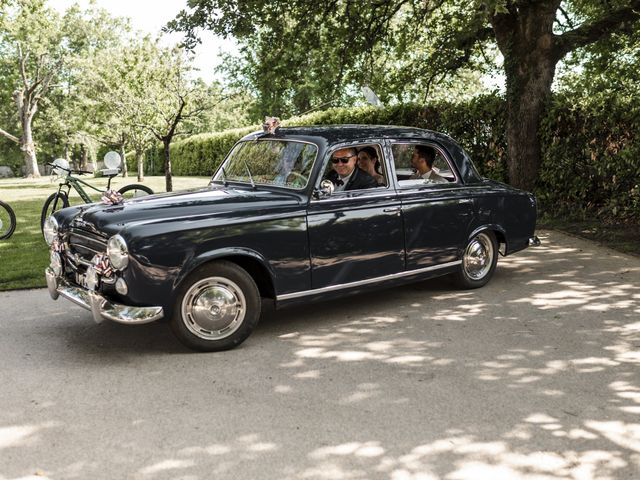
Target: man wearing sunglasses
x,y
345,175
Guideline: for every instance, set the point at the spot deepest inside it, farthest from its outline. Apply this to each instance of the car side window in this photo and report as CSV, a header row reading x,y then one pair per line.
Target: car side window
x,y
421,164
358,167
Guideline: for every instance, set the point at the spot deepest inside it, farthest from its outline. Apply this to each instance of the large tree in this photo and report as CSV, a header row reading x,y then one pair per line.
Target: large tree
x,y
31,44
145,92
71,114
419,42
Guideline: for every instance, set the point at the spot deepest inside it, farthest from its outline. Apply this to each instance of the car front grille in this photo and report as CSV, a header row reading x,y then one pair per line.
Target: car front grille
x,y
83,245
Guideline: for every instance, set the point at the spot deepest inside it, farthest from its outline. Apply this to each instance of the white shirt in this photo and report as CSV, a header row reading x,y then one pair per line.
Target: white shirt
x,y
430,177
345,180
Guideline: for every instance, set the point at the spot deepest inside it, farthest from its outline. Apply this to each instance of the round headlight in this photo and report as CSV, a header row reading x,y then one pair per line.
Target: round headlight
x,y
50,229
118,252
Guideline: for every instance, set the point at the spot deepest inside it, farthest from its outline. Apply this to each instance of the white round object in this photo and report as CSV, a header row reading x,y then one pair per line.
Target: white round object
x,y
112,159
62,163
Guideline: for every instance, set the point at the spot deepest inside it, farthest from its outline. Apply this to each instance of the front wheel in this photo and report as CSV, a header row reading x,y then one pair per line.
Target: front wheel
x,y
478,261
135,190
217,307
7,221
56,201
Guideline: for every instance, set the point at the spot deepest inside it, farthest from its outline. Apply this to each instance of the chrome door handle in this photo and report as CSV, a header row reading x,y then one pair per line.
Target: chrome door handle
x,y
392,210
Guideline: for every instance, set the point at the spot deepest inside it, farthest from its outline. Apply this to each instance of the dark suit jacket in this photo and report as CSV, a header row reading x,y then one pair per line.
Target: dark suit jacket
x,y
359,179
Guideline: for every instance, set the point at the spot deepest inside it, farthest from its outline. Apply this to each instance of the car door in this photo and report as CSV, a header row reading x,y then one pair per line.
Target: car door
x,y
436,216
355,235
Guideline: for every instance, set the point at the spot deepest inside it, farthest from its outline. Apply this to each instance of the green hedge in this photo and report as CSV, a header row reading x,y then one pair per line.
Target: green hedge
x,y
591,157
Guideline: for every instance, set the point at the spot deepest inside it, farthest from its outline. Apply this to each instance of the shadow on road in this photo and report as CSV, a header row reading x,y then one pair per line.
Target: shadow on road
x,y
533,377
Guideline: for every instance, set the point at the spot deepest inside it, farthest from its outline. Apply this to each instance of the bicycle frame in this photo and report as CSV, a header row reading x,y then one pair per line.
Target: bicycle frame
x,y
71,181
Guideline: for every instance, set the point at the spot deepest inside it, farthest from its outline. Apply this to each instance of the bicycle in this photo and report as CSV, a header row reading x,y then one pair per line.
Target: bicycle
x,y
7,221
60,199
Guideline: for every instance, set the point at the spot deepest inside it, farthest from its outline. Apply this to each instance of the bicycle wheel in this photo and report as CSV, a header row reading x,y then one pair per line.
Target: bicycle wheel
x,y
135,190
7,221
56,201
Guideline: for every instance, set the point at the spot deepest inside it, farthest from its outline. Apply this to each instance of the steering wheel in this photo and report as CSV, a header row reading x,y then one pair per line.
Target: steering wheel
x,y
298,179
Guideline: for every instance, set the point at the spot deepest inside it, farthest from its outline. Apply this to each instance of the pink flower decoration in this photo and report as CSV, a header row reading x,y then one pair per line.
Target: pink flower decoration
x,y
102,265
111,197
271,124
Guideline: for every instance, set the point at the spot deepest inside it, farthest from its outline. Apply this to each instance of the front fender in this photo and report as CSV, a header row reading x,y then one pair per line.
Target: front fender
x,y
205,257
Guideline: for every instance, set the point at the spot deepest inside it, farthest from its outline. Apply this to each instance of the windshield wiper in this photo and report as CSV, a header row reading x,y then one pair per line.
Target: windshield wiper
x,y
253,184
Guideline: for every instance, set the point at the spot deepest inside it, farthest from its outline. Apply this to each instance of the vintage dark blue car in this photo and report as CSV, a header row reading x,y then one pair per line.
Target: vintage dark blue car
x,y
300,214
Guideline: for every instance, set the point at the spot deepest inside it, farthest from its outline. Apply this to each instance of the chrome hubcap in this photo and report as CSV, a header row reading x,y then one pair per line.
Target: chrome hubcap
x,y
213,308
478,257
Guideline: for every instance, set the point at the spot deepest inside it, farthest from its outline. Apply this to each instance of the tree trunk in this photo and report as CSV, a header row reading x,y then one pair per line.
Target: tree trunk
x,y
528,91
84,159
140,162
123,156
28,148
168,175
525,38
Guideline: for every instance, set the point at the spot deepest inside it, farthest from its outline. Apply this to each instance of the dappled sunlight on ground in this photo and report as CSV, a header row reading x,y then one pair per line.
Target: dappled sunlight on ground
x,y
534,377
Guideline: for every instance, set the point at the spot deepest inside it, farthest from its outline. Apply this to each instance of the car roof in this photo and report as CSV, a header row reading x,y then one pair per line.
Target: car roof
x,y
332,134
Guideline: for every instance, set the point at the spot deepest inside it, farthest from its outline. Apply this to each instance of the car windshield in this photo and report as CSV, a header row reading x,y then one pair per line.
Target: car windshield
x,y
269,162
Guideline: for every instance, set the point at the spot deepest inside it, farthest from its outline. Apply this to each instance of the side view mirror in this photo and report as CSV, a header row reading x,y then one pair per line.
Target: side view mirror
x,y
326,189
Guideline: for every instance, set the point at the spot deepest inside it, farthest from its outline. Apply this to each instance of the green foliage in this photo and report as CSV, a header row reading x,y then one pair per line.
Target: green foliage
x,y
590,155
202,154
404,50
590,159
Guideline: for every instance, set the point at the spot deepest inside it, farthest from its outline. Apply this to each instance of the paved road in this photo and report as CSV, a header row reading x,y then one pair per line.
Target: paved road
x,y
533,377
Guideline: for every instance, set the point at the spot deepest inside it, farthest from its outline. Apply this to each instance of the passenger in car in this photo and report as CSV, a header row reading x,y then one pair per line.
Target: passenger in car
x,y
345,174
422,161
369,162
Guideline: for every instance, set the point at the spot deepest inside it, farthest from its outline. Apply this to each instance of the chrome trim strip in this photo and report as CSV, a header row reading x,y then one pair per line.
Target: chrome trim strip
x,y
316,291
344,196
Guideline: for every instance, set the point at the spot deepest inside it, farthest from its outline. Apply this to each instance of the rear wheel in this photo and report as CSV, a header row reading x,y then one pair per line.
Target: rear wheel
x,y
217,307
56,201
7,221
478,261
135,190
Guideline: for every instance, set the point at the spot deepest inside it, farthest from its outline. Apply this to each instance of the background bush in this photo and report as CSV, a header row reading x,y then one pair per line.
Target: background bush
x,y
591,156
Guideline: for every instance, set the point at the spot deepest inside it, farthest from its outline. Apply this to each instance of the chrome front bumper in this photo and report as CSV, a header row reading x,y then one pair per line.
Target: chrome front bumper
x,y
100,307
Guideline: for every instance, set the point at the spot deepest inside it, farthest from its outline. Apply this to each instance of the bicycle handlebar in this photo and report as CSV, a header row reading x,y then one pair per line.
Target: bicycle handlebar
x,y
70,170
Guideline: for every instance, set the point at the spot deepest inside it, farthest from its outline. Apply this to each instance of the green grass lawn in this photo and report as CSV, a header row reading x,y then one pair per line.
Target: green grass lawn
x,y
24,256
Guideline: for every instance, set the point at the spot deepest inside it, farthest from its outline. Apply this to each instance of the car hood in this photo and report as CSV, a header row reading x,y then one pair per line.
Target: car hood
x,y
208,203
